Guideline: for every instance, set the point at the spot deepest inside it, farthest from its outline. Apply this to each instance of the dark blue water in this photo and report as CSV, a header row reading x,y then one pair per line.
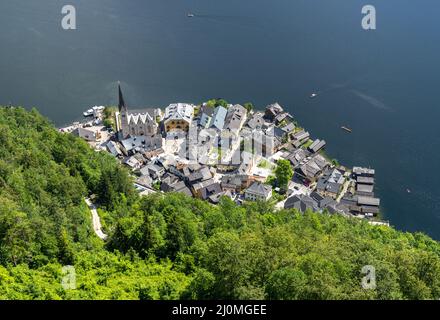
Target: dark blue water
x,y
383,83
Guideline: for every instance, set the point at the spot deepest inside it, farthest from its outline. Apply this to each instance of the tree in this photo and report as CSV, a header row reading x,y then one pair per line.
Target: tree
x,y
283,173
249,106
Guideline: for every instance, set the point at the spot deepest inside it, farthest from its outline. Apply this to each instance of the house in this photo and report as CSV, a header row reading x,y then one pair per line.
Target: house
x,y
167,160
272,111
246,164
135,144
363,172
86,134
310,170
365,190
178,117
210,191
368,201
235,118
133,162
297,157
365,180
265,142
218,118
299,138
256,122
215,198
283,118
205,116
145,181
153,170
317,145
289,128
175,186
197,187
301,203
330,183
258,192
136,124
113,148
235,183
200,175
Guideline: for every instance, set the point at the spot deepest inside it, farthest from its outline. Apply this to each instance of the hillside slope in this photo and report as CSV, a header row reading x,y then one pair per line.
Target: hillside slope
x,y
172,246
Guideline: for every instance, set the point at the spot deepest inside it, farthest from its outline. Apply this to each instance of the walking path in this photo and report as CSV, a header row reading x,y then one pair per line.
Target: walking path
x,y
95,220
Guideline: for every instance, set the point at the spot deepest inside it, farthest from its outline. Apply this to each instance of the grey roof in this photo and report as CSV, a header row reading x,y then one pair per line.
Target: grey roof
x,y
365,180
204,120
260,189
298,156
368,201
301,135
256,122
333,187
364,187
363,171
273,109
316,196
232,181
301,203
179,111
218,118
86,134
142,143
289,128
313,167
113,148
235,117
317,145
145,181
210,190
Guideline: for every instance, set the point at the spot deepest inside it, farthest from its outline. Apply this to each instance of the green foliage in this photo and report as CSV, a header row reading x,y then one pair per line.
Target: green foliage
x,y
249,106
283,173
172,246
44,177
217,102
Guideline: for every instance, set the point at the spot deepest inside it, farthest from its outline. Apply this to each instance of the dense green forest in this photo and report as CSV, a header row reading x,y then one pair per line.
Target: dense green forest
x,y
175,247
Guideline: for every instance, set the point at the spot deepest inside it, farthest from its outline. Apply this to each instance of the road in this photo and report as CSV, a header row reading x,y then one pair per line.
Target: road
x,y
96,221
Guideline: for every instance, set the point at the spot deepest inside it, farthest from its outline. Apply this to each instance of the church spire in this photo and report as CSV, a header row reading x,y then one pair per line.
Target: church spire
x,y
122,105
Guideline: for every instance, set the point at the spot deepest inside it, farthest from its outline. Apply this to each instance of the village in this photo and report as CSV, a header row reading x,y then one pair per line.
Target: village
x,y
217,150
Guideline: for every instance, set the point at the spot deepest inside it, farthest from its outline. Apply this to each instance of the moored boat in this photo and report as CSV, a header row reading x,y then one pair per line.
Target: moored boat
x,y
347,129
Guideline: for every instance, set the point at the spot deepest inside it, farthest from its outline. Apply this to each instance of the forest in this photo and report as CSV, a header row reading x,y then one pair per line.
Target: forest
x,y
170,246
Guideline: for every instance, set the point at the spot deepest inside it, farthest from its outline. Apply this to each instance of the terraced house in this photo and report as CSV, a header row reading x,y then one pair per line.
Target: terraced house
x,y
178,117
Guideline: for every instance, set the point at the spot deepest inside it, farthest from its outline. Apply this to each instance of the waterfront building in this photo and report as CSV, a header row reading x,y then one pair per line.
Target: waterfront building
x,y
136,124
178,117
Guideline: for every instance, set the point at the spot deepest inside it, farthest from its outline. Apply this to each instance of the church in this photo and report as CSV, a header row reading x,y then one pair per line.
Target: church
x,y
136,124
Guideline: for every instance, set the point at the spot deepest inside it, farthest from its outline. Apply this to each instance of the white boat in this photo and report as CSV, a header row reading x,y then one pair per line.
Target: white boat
x,y
313,95
93,111
190,15
88,113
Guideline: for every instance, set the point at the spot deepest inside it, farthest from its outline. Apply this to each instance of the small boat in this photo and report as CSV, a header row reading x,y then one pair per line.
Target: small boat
x,y
347,129
88,113
408,190
313,95
190,15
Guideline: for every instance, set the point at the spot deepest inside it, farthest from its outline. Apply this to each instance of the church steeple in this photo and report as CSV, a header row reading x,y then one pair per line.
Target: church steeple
x,y
122,105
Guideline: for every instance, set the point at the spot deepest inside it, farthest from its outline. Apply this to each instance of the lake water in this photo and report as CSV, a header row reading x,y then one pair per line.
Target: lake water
x,y
383,83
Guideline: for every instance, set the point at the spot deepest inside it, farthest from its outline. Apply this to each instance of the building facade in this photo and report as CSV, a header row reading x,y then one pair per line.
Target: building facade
x,y
136,124
178,117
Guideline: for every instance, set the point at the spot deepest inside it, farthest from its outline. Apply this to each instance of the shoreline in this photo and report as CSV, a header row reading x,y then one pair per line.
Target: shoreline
x,y
334,188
